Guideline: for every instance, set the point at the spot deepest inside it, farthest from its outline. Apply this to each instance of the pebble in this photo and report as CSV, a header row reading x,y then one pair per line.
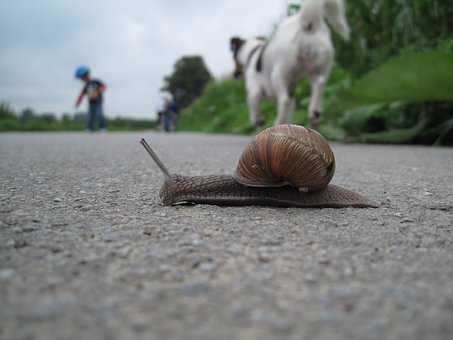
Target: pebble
x,y
29,229
7,274
264,257
56,249
164,268
448,305
150,231
197,242
88,258
273,321
310,279
50,308
349,271
10,243
273,242
124,252
207,267
441,207
240,312
17,244
194,289
324,261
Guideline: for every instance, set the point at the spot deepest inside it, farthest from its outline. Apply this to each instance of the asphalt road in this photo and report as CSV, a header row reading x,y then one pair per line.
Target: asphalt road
x,y
87,251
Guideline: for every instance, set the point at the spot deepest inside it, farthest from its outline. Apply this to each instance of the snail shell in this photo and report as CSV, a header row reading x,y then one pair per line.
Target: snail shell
x,y
287,155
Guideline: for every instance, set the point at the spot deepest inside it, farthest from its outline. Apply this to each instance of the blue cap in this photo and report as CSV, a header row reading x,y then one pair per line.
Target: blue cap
x,y
81,71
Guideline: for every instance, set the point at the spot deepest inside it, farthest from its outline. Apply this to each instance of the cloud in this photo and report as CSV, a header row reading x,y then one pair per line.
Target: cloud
x,y
129,45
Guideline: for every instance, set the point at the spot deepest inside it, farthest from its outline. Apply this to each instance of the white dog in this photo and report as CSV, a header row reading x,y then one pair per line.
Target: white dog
x,y
301,46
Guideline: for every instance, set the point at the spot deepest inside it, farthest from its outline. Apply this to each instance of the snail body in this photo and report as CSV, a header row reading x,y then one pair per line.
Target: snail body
x,y
225,190
285,166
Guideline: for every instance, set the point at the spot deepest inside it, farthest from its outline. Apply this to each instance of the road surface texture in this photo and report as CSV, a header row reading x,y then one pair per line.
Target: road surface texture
x,y
88,252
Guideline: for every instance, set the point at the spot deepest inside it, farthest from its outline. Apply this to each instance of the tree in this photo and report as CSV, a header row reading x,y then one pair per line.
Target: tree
x,y
6,111
27,115
188,80
48,117
79,118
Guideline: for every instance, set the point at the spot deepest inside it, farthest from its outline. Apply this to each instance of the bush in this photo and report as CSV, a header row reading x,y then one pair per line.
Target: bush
x,y
6,112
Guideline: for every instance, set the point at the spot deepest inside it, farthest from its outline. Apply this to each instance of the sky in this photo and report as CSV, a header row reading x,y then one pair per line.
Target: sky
x,y
130,45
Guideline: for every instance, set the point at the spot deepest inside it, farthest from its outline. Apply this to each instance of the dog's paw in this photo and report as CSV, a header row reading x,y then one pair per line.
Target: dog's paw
x,y
259,123
314,120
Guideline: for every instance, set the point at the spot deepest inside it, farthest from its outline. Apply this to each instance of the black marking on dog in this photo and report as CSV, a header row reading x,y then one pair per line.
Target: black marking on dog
x,y
264,39
252,53
259,63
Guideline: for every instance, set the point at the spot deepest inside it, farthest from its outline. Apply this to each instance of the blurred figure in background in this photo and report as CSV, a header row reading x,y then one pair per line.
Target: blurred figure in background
x,y
93,89
169,115
174,108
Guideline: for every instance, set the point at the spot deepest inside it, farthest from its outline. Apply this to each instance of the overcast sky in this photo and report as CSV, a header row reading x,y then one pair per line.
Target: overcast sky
x,y
131,45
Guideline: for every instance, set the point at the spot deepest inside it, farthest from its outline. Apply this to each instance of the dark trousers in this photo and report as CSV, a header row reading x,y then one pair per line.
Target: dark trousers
x,y
168,121
95,113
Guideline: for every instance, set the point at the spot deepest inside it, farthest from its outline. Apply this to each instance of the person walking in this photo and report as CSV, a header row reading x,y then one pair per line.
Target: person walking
x,y
169,114
174,108
94,90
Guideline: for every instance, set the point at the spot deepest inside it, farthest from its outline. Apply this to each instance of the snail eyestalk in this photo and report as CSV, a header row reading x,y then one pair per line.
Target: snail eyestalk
x,y
156,159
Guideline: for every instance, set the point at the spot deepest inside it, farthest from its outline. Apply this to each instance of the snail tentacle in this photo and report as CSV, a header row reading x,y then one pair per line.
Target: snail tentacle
x,y
156,159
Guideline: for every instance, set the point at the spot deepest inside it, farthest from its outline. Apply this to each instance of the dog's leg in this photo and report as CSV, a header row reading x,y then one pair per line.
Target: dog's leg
x,y
254,103
318,84
286,107
285,102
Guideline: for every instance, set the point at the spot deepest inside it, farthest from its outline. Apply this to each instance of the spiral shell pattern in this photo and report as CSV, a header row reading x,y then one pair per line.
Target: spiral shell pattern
x,y
287,155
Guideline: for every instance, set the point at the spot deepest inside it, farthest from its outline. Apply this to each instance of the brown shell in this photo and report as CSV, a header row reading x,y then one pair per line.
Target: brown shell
x,y
287,155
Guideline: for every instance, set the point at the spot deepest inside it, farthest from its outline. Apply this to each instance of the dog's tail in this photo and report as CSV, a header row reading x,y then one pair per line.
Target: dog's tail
x,y
312,12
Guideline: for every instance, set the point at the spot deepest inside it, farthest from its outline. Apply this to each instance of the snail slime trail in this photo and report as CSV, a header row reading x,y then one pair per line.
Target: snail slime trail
x,y
283,166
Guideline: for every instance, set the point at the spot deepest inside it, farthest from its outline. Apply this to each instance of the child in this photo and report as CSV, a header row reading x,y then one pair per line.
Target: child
x,y
94,90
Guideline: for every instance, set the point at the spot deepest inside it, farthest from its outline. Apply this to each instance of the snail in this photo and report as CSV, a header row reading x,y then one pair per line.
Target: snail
x,y
285,166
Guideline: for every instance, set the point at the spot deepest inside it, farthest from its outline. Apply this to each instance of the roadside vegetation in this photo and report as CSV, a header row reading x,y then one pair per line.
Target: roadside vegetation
x,y
392,82
28,120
